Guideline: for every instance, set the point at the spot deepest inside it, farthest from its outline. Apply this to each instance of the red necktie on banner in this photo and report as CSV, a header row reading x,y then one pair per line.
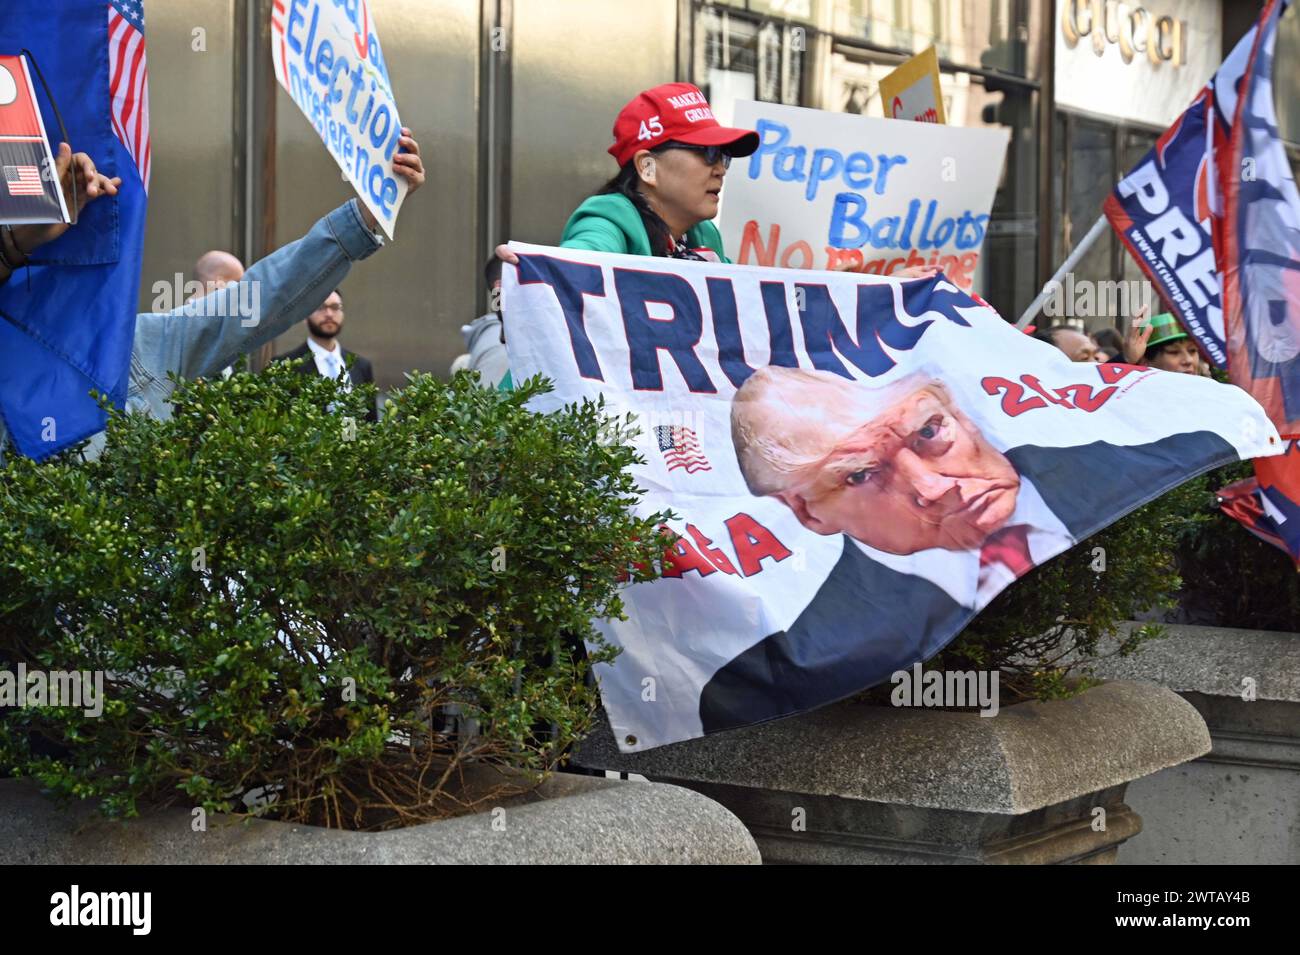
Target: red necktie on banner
x,y
1009,546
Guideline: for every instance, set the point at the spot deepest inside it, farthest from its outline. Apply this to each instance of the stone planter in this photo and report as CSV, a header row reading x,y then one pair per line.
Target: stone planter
x,y
1239,803
852,783
569,819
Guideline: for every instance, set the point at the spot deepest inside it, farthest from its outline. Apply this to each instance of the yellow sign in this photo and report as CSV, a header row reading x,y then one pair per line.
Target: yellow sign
x,y
912,90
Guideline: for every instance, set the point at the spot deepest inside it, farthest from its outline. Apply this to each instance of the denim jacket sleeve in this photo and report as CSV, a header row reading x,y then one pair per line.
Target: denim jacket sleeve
x,y
205,335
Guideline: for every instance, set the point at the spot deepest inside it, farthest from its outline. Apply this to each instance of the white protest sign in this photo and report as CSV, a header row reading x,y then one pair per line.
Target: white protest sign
x,y
829,188
327,56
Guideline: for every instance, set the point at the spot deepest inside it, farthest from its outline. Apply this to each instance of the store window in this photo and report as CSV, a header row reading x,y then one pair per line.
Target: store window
x,y
744,57
761,49
993,35
806,10
1286,84
1091,174
1007,276
1090,155
1286,78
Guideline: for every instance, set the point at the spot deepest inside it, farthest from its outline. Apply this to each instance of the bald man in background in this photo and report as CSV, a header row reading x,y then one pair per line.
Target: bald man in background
x,y
1076,345
217,269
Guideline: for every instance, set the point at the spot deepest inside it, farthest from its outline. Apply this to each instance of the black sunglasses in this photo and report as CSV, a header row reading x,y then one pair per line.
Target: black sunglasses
x,y
712,154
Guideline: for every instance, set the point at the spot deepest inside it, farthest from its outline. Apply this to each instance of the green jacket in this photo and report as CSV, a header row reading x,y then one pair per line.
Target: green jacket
x,y
610,223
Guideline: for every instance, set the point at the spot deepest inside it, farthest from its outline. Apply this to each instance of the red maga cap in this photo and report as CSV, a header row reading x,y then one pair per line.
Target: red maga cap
x,y
677,112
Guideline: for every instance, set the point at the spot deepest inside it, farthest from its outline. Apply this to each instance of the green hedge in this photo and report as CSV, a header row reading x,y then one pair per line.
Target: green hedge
x,y
300,613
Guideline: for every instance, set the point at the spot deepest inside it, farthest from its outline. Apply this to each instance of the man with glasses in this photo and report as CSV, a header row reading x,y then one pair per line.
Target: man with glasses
x,y
322,354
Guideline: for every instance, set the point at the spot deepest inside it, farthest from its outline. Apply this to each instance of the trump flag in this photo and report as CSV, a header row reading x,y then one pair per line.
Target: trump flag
x,y
1162,213
1259,241
883,457
1212,216
67,320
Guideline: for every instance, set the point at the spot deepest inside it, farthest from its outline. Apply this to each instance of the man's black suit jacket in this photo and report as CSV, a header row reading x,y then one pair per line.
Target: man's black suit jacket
x,y
868,621
359,369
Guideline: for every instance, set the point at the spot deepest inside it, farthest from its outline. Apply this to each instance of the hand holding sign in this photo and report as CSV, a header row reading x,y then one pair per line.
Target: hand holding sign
x,y
328,57
90,185
27,192
913,272
407,164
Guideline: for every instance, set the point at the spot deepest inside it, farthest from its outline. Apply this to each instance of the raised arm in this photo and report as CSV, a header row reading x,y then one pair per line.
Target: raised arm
x,y
206,334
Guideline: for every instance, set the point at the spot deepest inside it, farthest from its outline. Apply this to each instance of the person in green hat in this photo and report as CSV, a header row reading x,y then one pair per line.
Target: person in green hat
x,y
1160,343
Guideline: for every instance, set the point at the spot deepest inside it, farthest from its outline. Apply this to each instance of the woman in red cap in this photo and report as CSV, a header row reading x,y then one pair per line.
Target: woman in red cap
x,y
672,155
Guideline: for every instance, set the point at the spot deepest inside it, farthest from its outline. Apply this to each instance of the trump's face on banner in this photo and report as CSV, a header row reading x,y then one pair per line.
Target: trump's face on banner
x,y
899,468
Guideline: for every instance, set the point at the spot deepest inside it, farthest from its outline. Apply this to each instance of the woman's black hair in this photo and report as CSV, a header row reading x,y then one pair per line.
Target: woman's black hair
x,y
1154,350
625,184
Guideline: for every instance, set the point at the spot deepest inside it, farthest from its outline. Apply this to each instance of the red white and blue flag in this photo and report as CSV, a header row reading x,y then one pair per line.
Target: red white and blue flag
x,y
1163,211
128,81
23,181
1260,267
66,328
1212,216
1259,241
884,461
681,448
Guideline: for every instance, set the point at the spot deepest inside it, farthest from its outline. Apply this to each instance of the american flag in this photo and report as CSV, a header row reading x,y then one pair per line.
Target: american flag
x,y
681,449
128,81
24,181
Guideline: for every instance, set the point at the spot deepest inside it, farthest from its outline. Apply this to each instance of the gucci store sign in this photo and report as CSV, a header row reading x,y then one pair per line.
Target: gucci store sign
x,y
1135,61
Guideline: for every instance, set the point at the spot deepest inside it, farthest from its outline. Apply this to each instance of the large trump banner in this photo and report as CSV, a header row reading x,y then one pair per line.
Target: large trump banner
x,y
857,465
327,56
831,190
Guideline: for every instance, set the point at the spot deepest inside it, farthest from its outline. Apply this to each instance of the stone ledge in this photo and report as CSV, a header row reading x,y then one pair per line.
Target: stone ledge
x,y
1212,661
837,831
1028,757
1239,804
569,819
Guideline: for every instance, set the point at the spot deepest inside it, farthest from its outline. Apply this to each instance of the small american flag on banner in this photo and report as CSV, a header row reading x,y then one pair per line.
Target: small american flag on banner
x,y
128,81
23,181
681,449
